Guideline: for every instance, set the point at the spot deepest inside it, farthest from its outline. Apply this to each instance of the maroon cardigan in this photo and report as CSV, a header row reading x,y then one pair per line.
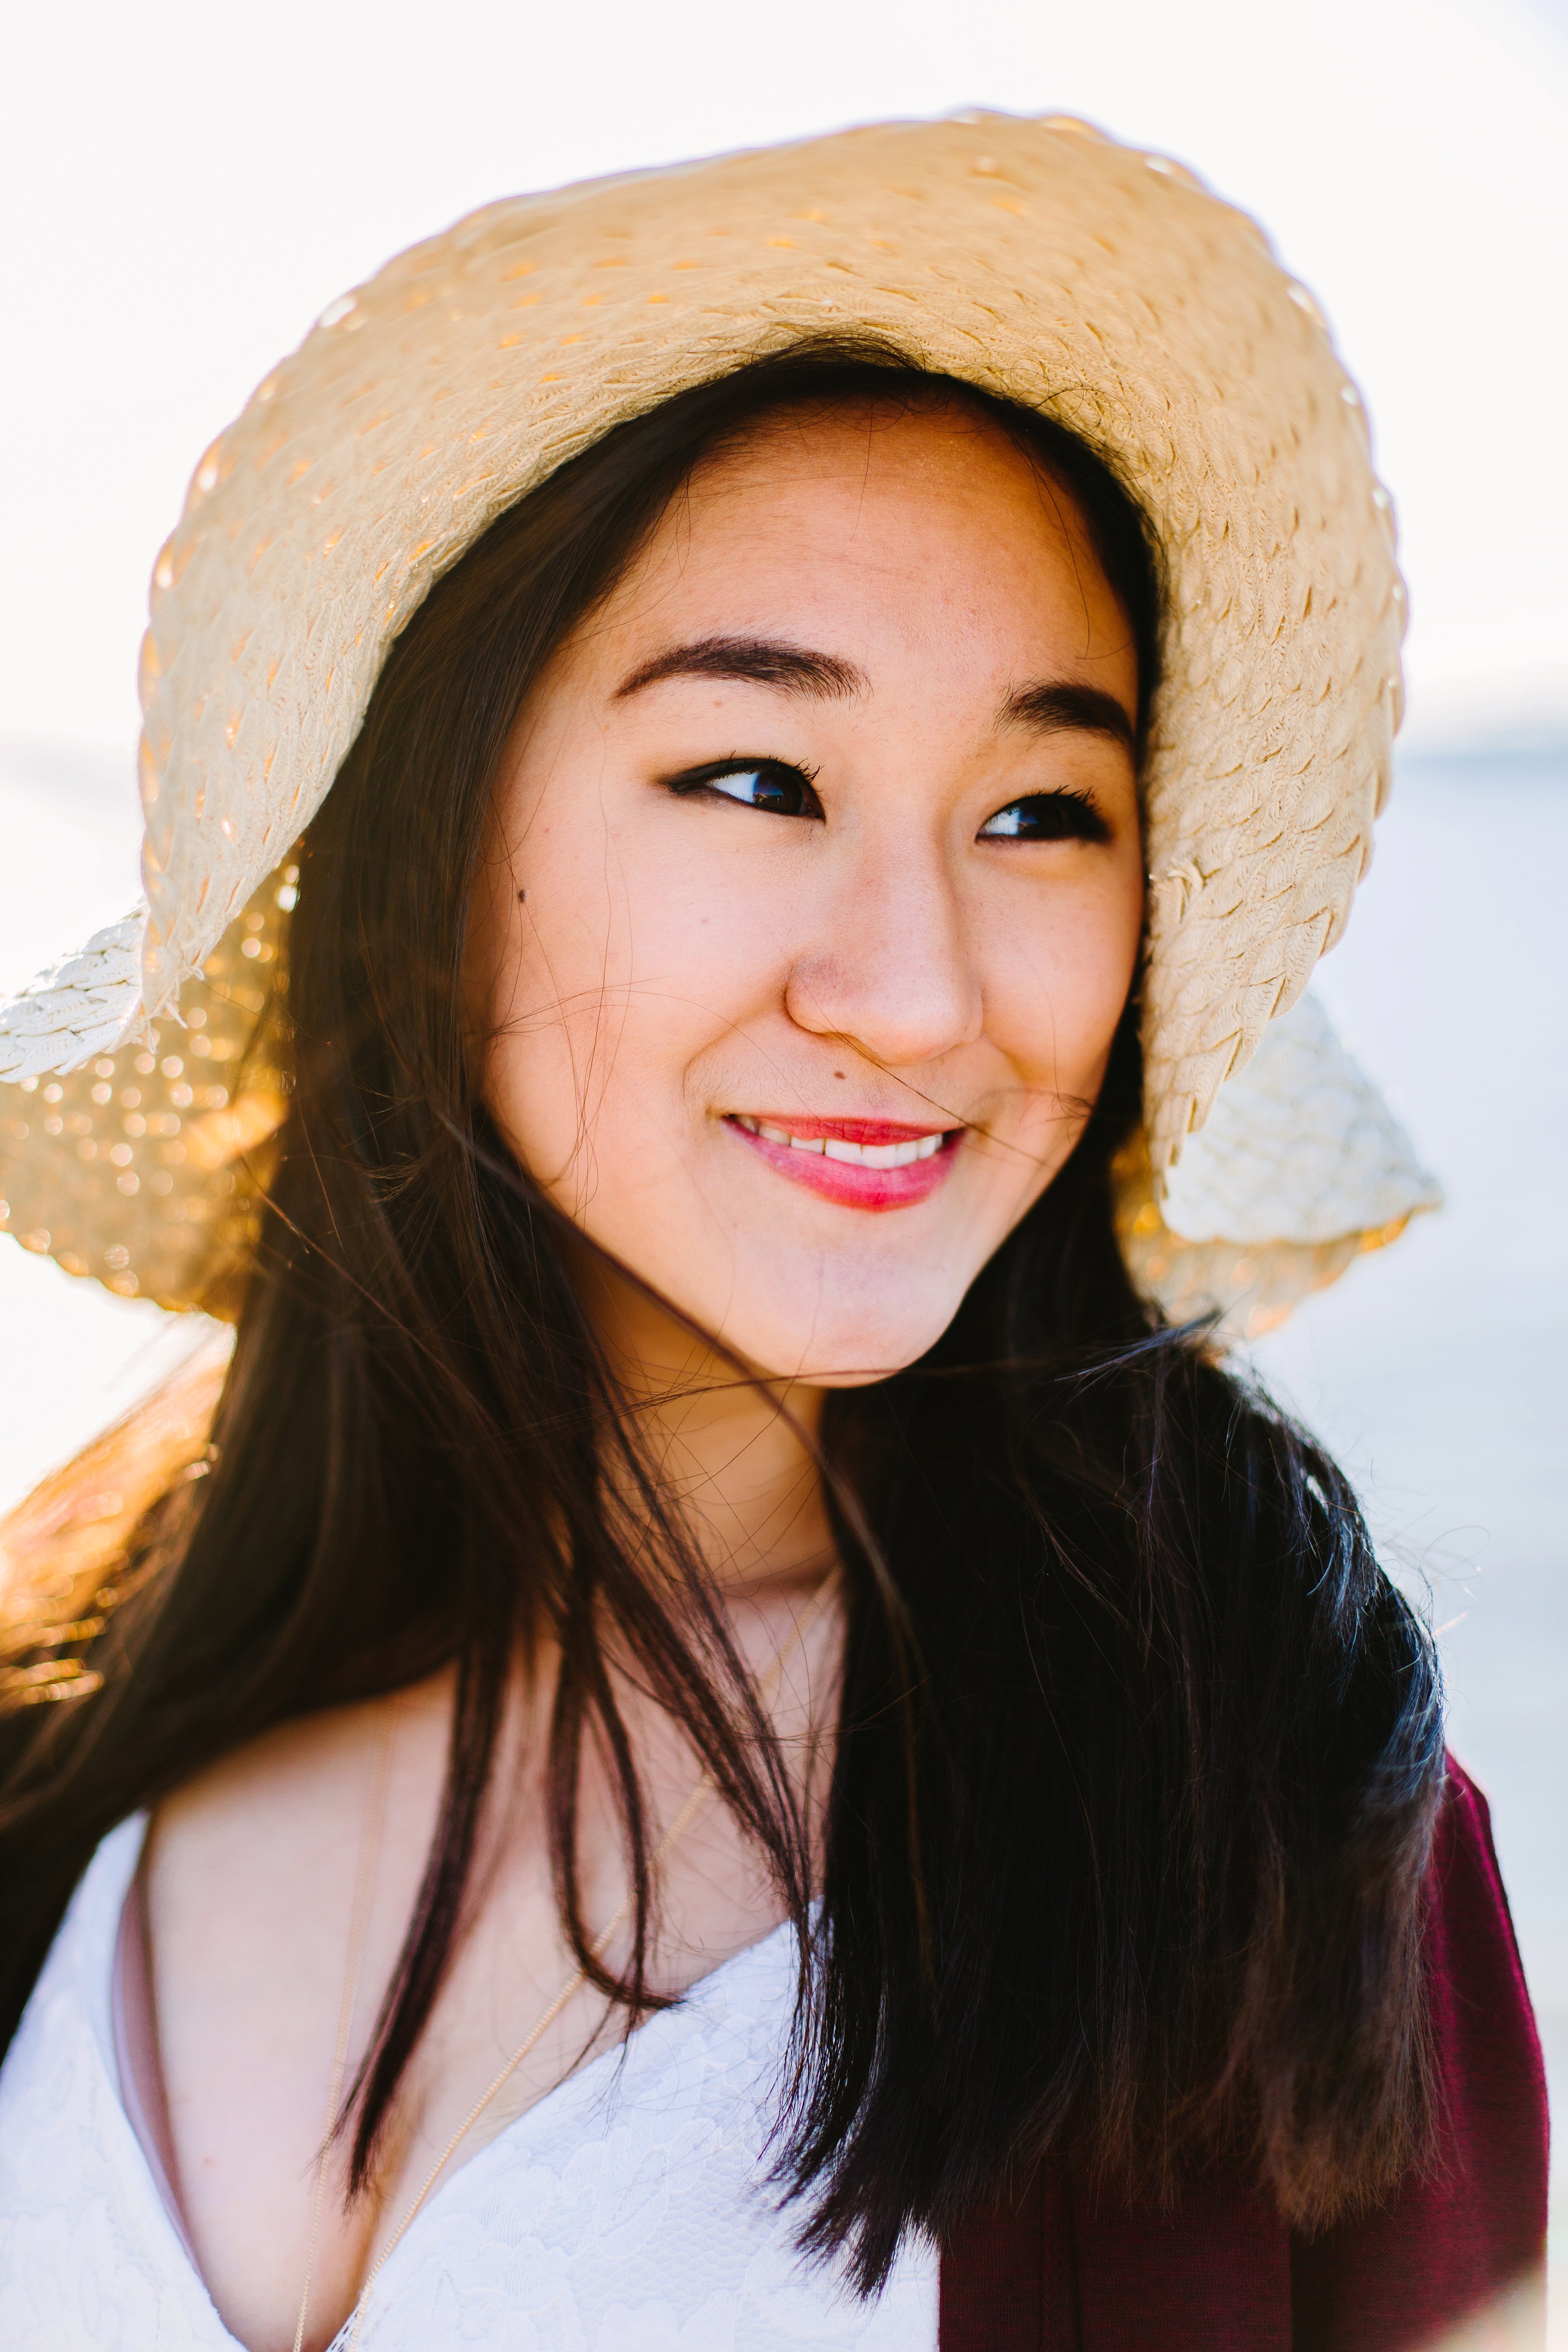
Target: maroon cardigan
x,y
1219,2272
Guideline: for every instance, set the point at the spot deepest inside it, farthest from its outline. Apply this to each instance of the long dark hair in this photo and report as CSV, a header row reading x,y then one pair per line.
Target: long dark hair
x,y
1138,1748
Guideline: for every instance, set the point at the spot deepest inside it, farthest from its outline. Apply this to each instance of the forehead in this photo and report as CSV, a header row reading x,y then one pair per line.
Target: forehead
x,y
904,512
931,451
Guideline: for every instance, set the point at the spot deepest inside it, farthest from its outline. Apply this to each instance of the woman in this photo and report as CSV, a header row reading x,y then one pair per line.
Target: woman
x,y
730,1736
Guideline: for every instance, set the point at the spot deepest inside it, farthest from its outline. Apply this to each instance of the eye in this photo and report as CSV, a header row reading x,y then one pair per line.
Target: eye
x,y
1046,816
756,784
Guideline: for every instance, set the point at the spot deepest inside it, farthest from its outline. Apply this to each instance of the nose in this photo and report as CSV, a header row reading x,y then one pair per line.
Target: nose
x,y
890,969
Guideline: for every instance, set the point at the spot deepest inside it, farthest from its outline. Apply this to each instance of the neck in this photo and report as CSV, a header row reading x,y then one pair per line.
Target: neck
x,y
733,1446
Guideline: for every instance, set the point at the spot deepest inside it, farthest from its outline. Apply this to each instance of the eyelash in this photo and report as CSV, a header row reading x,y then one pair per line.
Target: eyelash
x,y
704,780
1085,821
1084,824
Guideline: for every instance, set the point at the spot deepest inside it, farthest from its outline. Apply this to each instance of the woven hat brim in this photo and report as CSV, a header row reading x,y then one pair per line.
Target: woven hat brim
x,y
1037,259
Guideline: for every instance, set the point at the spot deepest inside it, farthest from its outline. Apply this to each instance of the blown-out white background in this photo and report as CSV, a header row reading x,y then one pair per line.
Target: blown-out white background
x,y
184,187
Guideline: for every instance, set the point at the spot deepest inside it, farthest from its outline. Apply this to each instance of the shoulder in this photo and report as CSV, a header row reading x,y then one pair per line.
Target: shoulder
x,y
1491,2076
1468,1907
1217,2267
1469,2230
271,1832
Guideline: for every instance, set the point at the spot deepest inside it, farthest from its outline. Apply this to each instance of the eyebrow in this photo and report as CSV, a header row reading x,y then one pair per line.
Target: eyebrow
x,y
1054,709
759,661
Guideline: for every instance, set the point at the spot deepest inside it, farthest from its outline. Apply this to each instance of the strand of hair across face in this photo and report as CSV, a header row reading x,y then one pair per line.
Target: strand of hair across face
x,y
699,1796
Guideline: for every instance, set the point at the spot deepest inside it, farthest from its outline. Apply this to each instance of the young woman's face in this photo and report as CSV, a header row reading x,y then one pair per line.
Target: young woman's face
x,y
816,885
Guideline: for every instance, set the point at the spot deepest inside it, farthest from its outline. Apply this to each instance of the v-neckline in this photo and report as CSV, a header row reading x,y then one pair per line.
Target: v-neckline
x,y
139,2099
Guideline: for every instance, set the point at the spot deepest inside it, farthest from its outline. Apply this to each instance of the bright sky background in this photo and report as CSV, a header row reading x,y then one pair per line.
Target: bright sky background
x,y
185,186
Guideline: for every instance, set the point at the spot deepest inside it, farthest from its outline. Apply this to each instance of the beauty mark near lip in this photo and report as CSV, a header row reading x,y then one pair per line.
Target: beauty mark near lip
x,y
861,1163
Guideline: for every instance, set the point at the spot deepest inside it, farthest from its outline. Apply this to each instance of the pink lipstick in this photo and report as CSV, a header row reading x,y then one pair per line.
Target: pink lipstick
x,y
861,1163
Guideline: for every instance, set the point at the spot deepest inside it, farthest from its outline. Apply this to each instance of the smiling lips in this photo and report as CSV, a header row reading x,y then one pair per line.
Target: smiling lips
x,y
863,1163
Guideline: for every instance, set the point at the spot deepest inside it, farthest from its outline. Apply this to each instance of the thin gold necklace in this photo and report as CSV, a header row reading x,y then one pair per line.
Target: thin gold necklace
x,y
370,1846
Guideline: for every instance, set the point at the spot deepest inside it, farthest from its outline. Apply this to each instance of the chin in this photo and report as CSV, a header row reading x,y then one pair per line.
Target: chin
x,y
845,1350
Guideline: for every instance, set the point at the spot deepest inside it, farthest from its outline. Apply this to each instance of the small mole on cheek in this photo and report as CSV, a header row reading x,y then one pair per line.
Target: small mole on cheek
x,y
520,897
838,1074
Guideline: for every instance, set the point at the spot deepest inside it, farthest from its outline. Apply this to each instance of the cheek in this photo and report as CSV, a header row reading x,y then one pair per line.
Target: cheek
x,y
561,968
628,960
1058,979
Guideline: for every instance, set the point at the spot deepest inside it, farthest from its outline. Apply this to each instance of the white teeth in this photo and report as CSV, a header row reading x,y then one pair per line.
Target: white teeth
x,y
855,1155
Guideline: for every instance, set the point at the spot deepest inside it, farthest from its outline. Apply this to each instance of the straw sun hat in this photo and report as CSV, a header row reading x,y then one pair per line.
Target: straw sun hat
x,y
144,1078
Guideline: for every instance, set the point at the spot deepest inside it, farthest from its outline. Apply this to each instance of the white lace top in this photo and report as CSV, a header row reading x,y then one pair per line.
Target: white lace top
x,y
627,2212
